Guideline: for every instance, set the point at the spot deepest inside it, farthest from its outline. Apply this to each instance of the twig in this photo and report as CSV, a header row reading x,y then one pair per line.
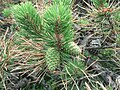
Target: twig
x,y
57,34
88,87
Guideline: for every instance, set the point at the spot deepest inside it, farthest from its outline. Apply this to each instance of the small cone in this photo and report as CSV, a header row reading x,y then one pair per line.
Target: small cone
x,y
52,58
72,48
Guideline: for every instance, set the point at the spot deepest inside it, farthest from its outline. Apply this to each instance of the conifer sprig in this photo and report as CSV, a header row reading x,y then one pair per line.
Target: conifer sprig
x,y
28,18
54,29
58,20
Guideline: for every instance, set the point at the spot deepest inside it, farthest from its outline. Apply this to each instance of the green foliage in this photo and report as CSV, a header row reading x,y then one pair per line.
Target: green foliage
x,y
118,39
110,88
52,58
58,28
27,18
54,29
107,53
58,25
65,2
6,12
117,16
84,21
100,3
75,67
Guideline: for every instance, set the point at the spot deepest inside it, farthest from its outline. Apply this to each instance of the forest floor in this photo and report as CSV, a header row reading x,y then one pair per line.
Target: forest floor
x,y
98,37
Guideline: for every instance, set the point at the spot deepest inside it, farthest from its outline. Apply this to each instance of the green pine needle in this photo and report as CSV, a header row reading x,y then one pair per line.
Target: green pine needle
x,y
100,3
66,2
58,20
75,67
27,18
6,12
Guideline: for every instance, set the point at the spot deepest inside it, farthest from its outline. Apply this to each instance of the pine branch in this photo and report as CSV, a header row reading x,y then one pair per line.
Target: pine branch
x,y
58,22
57,35
27,18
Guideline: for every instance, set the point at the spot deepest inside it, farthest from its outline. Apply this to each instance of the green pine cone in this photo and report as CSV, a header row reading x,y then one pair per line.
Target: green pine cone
x,y
52,58
72,48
